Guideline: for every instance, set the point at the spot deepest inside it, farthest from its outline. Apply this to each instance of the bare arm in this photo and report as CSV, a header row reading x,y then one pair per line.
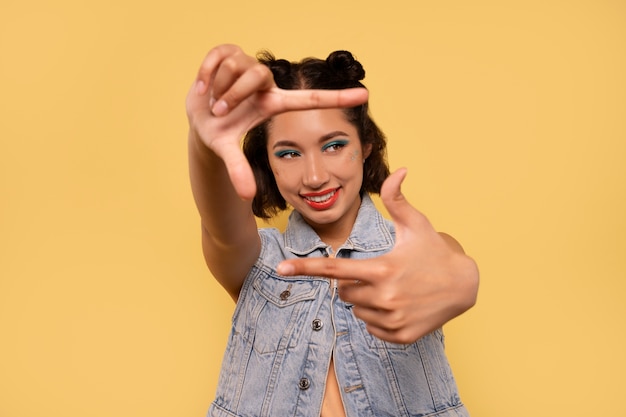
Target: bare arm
x,y
230,241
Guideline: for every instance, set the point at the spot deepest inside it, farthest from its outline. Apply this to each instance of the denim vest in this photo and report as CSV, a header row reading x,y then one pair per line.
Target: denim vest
x,y
285,329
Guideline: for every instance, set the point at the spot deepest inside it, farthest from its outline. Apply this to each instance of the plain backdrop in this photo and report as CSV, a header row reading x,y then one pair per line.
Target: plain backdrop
x,y
510,116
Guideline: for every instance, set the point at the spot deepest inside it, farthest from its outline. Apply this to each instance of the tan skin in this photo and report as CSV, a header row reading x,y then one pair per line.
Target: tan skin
x,y
425,281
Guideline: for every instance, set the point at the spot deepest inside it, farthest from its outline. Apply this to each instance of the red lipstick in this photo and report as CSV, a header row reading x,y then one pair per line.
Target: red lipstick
x,y
322,200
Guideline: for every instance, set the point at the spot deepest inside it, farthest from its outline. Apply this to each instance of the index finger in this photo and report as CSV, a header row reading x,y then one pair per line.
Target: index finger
x,y
321,99
365,270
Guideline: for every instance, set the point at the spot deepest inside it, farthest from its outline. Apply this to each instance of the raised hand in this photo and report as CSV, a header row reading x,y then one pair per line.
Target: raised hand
x,y
425,281
233,93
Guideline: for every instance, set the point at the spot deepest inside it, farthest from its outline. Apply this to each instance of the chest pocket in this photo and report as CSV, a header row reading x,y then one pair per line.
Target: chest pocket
x,y
280,310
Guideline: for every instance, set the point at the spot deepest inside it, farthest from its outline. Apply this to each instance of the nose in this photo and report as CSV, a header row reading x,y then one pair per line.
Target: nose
x,y
315,173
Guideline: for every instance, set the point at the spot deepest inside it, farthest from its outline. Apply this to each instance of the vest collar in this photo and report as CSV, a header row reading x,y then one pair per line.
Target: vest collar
x,y
370,232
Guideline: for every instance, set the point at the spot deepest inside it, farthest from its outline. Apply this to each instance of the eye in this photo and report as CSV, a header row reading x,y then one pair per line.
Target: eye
x,y
334,146
287,154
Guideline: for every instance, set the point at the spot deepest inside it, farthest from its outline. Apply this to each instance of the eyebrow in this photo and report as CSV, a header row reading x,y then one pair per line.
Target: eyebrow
x,y
323,138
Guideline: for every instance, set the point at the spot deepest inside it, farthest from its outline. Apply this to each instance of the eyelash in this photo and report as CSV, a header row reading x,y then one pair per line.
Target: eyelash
x,y
287,154
334,146
338,144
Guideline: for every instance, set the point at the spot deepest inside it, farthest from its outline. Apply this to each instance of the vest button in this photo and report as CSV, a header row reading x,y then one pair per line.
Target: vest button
x,y
304,384
317,325
285,294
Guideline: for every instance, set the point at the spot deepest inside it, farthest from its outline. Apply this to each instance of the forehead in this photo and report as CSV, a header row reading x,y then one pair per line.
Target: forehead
x,y
309,124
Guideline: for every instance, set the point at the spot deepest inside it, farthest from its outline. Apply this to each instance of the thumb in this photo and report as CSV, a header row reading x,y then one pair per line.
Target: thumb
x,y
239,170
391,195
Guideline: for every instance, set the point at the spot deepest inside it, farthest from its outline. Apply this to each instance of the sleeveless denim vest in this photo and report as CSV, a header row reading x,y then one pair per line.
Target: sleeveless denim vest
x,y
285,330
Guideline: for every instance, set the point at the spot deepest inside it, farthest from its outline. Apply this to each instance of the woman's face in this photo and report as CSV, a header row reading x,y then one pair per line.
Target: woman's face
x,y
317,159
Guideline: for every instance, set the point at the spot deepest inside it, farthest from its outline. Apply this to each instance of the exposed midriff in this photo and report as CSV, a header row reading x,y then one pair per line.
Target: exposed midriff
x,y
332,405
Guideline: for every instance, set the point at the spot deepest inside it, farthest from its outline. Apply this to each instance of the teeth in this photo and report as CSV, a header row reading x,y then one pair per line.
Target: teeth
x,y
321,198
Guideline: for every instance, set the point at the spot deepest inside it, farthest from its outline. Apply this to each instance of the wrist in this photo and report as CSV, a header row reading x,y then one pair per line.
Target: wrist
x,y
198,147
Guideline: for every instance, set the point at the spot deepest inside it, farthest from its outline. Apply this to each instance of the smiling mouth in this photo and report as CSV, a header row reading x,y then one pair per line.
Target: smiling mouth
x,y
320,198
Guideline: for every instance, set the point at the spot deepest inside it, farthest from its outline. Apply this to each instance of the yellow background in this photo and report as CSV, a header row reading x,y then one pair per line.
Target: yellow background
x,y
510,116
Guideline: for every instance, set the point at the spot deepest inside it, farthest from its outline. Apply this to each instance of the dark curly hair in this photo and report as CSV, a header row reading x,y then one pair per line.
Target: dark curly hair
x,y
339,71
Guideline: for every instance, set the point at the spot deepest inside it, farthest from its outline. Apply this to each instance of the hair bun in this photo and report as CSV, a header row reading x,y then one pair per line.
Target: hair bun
x,y
345,66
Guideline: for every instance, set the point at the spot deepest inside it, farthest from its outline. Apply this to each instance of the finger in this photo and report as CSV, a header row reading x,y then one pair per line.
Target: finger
x,y
231,88
210,63
364,270
404,336
321,99
239,170
359,293
401,211
384,326
376,317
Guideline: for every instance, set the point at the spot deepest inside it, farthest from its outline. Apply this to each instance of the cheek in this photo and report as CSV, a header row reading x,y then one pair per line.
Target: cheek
x,y
283,176
281,170
274,169
353,156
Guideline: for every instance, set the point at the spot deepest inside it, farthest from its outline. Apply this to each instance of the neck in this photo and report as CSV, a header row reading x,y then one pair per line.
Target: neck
x,y
333,235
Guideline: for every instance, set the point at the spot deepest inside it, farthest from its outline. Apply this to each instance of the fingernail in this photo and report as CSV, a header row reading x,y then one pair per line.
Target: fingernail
x,y
220,108
285,269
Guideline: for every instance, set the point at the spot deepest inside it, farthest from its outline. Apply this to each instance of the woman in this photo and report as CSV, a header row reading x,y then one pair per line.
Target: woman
x,y
313,335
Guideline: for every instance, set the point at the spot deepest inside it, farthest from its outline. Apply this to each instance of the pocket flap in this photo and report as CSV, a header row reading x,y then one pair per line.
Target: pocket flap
x,y
285,292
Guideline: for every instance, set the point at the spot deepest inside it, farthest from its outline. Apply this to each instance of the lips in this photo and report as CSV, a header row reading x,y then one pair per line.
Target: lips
x,y
322,200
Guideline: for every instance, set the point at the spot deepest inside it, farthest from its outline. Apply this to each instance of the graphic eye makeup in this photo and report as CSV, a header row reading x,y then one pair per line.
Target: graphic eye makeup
x,y
335,145
287,153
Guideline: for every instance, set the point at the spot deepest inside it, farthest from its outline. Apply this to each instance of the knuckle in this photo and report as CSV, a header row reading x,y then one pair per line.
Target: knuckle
x,y
385,269
330,268
420,219
386,299
229,64
315,98
261,71
218,54
382,270
403,337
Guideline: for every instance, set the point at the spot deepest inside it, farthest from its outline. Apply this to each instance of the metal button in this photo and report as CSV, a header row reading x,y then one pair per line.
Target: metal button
x,y
317,325
304,384
285,294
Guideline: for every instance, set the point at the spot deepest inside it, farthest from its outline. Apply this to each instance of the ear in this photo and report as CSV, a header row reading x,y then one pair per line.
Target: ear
x,y
367,150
